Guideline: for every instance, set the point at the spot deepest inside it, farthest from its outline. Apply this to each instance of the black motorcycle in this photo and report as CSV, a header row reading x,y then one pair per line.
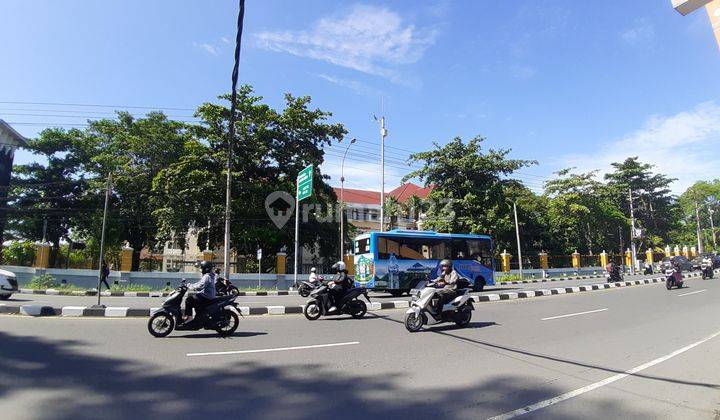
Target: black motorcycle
x,y
307,286
350,303
613,274
224,287
216,316
706,266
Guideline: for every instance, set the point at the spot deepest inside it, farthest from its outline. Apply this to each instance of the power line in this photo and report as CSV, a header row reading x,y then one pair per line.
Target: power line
x,y
95,105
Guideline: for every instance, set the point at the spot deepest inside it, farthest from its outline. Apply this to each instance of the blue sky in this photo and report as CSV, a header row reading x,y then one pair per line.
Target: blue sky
x,y
568,83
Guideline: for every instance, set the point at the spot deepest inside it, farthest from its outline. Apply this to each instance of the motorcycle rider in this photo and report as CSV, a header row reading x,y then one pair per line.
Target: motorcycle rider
x,y
313,278
206,291
448,281
341,283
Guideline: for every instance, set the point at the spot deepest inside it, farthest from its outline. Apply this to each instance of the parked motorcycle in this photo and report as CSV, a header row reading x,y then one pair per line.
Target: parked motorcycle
x,y
673,278
307,286
706,266
224,287
350,303
217,316
423,307
647,268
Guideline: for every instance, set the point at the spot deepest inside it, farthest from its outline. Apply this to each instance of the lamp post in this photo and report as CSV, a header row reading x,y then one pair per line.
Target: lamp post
x,y
517,234
712,229
342,201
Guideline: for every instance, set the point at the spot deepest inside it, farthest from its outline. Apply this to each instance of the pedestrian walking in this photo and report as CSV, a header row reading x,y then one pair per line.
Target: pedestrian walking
x,y
104,275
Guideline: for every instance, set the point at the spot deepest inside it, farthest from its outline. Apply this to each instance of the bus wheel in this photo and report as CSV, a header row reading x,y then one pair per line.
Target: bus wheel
x,y
479,284
396,293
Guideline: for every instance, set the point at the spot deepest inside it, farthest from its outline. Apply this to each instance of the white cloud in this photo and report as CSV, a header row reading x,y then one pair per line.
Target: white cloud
x,y
225,40
369,39
354,85
209,48
682,146
642,32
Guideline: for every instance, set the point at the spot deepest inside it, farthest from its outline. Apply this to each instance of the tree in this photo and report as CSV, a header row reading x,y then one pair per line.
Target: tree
x,y
654,207
270,148
47,197
581,213
469,194
393,209
705,195
415,207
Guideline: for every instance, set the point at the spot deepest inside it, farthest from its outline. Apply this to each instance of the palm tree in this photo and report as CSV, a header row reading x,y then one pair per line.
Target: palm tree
x,y
393,209
414,206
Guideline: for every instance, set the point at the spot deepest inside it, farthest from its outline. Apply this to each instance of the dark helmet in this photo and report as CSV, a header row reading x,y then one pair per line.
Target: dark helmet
x,y
206,267
446,263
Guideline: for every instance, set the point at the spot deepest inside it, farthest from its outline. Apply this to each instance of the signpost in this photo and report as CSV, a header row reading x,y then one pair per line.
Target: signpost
x,y
259,258
304,190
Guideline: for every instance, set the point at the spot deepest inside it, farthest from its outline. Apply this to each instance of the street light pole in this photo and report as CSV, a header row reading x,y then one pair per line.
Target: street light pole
x,y
102,236
342,201
712,229
383,134
697,229
633,258
517,234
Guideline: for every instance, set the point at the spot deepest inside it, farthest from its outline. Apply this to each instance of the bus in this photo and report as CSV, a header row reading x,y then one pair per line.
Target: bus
x,y
397,260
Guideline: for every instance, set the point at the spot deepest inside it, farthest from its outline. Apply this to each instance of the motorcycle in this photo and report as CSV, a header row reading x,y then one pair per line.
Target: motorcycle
x,y
216,316
349,304
613,274
422,309
308,286
673,278
224,287
706,266
647,268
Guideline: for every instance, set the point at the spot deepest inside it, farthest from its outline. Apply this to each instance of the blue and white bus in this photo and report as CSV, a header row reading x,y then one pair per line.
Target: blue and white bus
x,y
398,259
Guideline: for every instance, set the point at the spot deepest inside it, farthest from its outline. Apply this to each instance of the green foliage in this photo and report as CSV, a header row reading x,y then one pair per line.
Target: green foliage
x,y
131,287
20,253
43,282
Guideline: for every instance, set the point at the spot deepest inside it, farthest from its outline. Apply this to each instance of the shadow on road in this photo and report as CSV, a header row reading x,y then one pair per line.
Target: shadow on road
x,y
67,382
237,334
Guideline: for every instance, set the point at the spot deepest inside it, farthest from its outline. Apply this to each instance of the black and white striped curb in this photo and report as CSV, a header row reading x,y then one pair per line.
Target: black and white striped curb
x,y
83,311
141,294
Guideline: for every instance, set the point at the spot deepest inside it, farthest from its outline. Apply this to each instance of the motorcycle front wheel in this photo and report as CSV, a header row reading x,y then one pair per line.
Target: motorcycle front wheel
x,y
414,322
233,291
161,324
358,310
304,291
668,284
312,311
228,323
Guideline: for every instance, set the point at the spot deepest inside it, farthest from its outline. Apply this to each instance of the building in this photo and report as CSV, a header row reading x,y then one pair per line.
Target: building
x,y
363,206
10,140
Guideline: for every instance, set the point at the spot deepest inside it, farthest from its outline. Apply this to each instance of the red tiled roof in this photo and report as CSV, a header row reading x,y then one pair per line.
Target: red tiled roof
x,y
401,193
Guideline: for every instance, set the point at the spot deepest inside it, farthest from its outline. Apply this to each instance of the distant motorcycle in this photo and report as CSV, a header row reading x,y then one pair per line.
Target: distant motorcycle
x,y
673,278
216,316
307,286
706,266
224,287
647,268
612,273
422,309
349,304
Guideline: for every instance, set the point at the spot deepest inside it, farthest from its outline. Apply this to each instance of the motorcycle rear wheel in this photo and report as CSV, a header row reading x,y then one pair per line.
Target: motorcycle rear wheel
x,y
229,322
463,317
312,311
358,310
161,324
233,291
414,322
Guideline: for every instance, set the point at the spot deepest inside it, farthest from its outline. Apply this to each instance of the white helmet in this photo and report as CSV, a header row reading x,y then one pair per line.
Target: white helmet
x,y
339,266
312,270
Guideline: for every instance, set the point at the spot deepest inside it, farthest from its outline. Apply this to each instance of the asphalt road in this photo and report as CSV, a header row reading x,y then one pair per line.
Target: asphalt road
x,y
637,352
260,301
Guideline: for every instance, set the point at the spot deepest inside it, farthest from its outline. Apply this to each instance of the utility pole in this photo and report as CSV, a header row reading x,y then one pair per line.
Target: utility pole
x,y
383,134
632,233
622,246
712,229
44,229
697,228
342,202
102,236
517,234
231,138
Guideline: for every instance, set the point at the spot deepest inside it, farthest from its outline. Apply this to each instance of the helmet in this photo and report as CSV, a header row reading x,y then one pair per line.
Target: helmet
x,y
446,263
206,267
312,270
339,266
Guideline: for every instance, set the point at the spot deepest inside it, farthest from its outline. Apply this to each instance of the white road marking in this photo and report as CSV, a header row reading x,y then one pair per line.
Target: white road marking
x,y
316,346
596,385
575,314
692,293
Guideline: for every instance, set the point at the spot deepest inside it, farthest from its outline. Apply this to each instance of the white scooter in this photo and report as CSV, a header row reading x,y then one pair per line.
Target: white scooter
x,y
422,309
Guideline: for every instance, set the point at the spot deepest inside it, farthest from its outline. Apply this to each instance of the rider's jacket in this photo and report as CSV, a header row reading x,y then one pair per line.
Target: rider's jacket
x,y
206,286
450,279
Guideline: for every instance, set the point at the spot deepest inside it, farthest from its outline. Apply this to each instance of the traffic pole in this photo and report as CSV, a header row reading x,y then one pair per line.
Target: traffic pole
x,y
102,237
297,233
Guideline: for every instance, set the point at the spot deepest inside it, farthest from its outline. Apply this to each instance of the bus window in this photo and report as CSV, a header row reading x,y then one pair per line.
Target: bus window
x,y
362,246
387,246
481,251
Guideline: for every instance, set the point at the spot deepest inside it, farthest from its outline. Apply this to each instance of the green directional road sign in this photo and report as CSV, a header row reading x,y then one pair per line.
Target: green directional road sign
x,y
305,183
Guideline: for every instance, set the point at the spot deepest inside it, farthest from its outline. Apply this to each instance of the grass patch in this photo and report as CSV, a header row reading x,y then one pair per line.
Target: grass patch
x,y
257,289
509,277
132,287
